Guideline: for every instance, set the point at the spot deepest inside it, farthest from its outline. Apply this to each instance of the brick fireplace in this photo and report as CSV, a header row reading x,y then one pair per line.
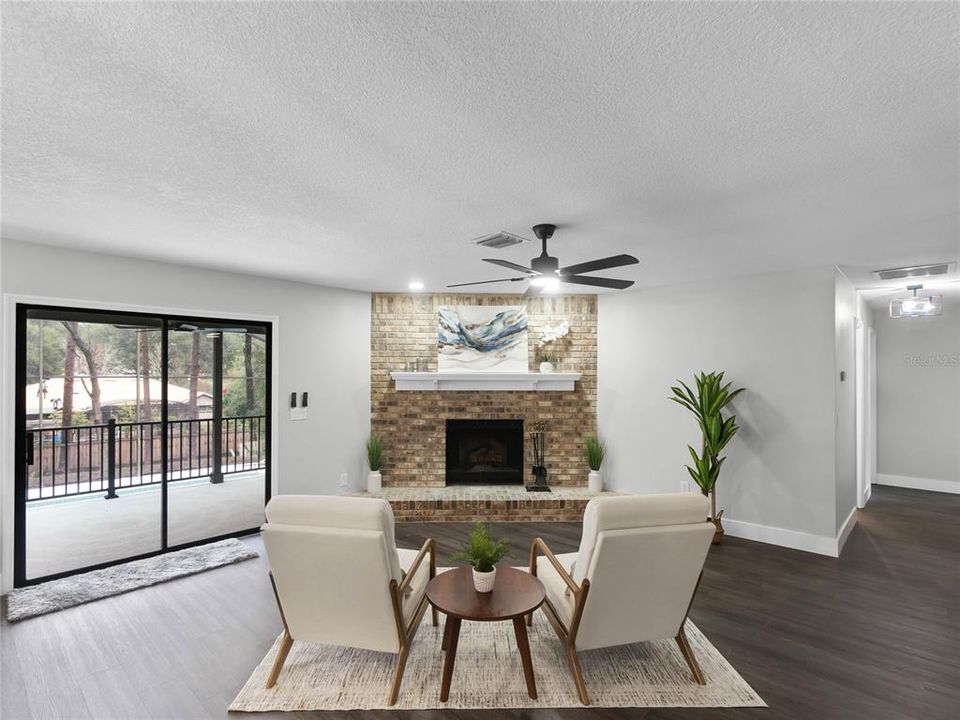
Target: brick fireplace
x,y
414,424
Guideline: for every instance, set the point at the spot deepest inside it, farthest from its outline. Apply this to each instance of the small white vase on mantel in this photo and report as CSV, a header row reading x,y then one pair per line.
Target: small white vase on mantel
x,y
483,581
546,367
374,481
595,481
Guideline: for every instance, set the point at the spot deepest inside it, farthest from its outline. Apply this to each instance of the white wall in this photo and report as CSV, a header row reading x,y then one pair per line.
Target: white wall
x,y
773,334
918,399
845,314
322,340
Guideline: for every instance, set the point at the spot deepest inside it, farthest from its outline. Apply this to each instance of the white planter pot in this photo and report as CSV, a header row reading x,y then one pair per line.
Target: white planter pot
x,y
546,367
483,582
595,481
374,482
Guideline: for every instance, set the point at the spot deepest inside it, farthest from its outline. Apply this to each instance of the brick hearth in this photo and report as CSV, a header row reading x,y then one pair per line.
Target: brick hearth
x,y
493,503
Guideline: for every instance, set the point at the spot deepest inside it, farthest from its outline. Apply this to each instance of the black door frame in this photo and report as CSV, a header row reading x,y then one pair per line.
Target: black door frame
x,y
20,429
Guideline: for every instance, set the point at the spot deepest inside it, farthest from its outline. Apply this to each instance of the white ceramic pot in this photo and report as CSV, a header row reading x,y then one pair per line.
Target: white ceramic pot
x,y
374,482
546,367
595,481
483,581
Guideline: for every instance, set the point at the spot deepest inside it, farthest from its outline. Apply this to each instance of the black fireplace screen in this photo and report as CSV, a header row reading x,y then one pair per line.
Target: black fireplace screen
x,y
484,452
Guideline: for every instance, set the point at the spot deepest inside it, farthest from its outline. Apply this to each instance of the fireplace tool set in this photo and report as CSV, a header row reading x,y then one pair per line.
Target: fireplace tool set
x,y
537,439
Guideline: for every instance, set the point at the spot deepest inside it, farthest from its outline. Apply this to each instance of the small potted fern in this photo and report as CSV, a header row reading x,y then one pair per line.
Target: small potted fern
x,y
483,553
594,450
375,461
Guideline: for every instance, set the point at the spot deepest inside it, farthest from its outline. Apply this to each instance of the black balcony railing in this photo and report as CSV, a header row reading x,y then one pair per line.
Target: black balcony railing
x,y
78,460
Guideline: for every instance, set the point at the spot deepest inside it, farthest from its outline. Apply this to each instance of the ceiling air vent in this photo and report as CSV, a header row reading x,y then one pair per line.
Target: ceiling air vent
x,y
914,271
499,240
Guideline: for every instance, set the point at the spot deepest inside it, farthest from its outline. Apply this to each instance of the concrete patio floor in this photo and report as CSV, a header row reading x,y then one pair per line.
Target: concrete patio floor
x,y
71,533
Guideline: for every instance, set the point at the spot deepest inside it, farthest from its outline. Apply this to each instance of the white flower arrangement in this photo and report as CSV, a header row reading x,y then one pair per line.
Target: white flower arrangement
x,y
551,333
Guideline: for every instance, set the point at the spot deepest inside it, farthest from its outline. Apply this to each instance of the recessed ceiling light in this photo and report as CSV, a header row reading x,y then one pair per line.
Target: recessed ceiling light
x,y
415,285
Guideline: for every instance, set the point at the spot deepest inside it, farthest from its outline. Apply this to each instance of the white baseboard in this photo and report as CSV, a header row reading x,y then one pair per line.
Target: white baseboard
x,y
845,530
819,544
916,483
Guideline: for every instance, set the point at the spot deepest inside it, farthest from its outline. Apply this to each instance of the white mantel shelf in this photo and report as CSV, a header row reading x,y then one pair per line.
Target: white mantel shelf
x,y
491,381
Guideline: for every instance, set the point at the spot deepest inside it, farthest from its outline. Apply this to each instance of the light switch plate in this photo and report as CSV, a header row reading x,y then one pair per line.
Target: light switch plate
x,y
298,413
684,486
343,479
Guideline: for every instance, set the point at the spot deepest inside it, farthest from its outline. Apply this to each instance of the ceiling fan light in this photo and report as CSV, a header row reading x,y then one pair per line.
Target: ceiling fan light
x,y
546,282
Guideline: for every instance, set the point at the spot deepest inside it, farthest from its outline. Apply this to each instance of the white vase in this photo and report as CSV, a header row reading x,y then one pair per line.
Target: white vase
x,y
483,581
546,367
374,481
595,481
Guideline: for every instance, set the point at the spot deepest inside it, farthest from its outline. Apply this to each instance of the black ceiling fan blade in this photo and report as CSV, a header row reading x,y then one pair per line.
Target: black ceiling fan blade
x,y
485,282
601,264
597,281
510,265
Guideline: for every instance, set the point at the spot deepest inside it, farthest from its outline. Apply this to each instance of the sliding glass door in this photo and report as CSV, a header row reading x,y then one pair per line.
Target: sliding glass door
x,y
216,420
137,433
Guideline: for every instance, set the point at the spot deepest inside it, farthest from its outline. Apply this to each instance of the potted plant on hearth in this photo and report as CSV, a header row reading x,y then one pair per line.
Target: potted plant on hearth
x,y
375,461
483,553
594,450
711,397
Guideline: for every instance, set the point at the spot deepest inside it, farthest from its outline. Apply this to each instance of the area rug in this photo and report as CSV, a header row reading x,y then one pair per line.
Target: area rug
x,y
488,674
55,595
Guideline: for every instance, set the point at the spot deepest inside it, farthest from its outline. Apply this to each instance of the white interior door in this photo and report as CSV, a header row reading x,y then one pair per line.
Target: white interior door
x,y
862,405
871,415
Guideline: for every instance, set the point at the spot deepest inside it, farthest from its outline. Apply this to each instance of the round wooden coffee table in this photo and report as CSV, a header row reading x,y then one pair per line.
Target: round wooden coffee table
x,y
515,595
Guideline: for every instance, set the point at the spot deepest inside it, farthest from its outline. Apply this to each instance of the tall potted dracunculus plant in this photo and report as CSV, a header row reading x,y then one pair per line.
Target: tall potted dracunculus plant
x,y
707,405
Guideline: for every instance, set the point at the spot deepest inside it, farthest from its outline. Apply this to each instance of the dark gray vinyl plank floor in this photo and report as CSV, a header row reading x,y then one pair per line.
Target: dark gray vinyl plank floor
x,y
873,635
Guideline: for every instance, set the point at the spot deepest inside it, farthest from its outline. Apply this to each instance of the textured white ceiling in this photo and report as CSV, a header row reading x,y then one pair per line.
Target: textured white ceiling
x,y
364,144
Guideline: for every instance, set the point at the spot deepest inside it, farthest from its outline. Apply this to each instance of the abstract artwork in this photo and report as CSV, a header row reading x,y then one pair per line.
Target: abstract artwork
x,y
487,338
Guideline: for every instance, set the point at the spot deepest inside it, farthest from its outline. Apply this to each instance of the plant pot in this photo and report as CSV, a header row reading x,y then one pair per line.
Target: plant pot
x,y
546,367
595,481
483,581
374,481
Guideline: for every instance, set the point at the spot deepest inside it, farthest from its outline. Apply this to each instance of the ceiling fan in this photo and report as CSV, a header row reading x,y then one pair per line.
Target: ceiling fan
x,y
545,272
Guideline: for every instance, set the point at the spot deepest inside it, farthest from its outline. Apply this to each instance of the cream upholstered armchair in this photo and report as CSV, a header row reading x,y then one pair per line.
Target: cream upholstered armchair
x,y
633,579
339,578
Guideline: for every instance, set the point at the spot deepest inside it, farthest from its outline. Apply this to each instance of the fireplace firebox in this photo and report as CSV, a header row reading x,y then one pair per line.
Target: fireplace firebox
x,y
484,452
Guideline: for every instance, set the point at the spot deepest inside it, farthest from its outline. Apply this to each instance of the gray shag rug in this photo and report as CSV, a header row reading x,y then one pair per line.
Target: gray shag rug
x,y
56,595
488,674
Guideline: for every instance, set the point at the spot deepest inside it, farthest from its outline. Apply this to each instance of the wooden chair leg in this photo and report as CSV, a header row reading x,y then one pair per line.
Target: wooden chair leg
x,y
398,675
436,615
285,644
574,663
688,655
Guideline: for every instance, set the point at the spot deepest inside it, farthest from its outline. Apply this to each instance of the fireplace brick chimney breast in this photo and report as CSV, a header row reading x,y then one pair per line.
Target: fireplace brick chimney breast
x,y
414,424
